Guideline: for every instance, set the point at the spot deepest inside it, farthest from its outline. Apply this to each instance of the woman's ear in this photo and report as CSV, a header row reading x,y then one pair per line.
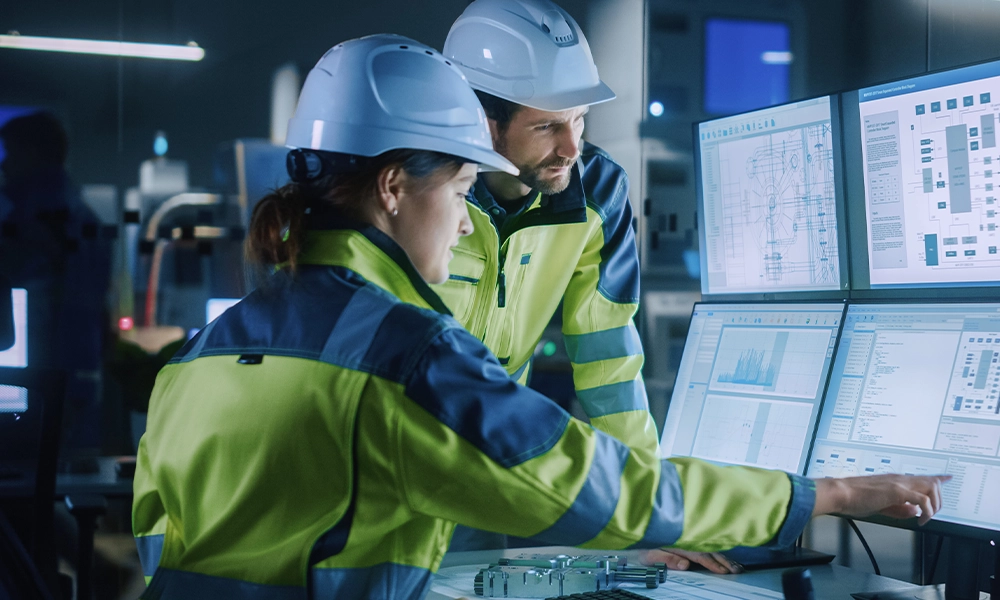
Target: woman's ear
x,y
391,185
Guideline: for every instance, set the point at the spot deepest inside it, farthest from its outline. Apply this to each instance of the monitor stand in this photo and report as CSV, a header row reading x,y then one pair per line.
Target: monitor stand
x,y
963,571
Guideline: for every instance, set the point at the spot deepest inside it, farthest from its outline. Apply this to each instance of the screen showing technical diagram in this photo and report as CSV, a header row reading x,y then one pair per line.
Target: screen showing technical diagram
x,y
930,160
914,389
768,199
750,383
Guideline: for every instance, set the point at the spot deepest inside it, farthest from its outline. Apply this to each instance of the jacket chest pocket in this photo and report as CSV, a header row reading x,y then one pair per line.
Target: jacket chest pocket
x,y
517,272
459,293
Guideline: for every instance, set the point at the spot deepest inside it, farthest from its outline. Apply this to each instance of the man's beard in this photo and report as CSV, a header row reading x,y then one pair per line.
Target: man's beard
x,y
531,175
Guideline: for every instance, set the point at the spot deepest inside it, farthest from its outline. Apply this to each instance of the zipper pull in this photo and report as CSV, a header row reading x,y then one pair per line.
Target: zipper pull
x,y
501,289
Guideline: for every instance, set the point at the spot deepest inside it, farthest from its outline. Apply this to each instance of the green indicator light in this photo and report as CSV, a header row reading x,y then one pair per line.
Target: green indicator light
x,y
549,348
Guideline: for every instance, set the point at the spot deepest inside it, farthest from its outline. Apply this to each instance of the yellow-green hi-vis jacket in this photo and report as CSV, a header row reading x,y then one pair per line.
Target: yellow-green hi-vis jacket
x,y
321,439
578,247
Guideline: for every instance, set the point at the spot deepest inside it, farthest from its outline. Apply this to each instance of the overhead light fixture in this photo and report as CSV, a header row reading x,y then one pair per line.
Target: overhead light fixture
x,y
191,51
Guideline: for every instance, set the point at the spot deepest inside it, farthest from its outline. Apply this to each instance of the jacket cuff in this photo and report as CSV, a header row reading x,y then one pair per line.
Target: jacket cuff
x,y
800,508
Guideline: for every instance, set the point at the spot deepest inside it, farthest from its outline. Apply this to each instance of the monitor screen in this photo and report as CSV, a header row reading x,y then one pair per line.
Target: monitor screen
x,y
12,398
216,306
750,383
768,201
747,64
928,159
914,389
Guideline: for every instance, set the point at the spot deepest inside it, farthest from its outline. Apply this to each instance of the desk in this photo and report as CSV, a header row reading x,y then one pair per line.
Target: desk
x,y
829,581
105,482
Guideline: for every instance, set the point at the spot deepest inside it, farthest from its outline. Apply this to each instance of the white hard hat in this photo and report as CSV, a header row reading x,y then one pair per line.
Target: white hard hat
x,y
526,51
388,92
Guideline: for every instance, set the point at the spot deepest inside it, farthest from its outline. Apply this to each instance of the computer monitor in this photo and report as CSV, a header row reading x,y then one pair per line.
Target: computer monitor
x,y
750,383
15,399
747,64
915,389
922,154
769,202
216,306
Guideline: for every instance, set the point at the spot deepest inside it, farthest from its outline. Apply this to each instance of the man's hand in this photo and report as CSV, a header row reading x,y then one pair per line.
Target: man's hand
x,y
680,560
897,496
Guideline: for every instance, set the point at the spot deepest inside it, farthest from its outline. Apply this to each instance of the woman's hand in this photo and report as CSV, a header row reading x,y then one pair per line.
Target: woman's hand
x,y
897,496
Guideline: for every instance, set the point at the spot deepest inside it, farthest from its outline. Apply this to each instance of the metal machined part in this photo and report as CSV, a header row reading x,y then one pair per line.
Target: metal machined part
x,y
547,576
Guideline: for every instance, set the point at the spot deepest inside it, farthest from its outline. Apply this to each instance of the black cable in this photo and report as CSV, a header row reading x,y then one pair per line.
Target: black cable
x,y
934,561
864,543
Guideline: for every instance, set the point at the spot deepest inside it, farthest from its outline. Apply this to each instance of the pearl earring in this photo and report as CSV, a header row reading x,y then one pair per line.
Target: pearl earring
x,y
395,212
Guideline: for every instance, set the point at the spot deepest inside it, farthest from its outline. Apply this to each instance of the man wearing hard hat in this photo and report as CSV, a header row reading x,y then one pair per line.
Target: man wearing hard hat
x,y
561,231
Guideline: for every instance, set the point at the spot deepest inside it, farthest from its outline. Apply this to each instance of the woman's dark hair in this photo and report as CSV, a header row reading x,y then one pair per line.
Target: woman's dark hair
x,y
277,228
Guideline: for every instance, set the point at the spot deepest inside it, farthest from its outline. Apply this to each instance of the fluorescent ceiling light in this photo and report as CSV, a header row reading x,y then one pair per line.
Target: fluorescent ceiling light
x,y
776,58
107,48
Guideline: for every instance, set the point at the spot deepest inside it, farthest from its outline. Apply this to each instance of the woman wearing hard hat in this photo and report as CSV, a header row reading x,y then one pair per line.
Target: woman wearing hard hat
x,y
322,437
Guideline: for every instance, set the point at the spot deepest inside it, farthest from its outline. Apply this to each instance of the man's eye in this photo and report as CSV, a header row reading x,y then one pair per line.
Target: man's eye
x,y
543,127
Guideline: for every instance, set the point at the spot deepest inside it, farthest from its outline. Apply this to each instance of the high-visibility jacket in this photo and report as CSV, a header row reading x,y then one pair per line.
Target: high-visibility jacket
x,y
322,437
578,247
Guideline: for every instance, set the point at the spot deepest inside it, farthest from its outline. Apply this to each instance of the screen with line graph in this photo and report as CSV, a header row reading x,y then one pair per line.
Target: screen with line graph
x,y
750,383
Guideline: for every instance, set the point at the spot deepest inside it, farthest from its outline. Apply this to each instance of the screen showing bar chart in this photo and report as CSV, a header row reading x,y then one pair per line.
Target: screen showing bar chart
x,y
750,382
915,389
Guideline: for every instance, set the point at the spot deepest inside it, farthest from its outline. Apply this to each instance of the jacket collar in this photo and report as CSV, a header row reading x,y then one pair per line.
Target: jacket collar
x,y
366,250
573,197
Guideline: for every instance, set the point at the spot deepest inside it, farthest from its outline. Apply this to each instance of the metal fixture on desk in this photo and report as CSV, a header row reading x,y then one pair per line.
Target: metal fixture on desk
x,y
543,576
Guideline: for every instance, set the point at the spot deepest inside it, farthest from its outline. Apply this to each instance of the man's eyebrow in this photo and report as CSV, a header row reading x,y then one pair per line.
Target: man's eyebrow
x,y
553,121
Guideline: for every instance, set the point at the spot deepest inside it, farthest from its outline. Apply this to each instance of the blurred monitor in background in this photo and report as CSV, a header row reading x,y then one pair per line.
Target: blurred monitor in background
x,y
13,344
50,245
6,314
216,306
747,64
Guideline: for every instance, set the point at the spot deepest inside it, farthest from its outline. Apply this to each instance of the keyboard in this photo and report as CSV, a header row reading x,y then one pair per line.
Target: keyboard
x,y
603,595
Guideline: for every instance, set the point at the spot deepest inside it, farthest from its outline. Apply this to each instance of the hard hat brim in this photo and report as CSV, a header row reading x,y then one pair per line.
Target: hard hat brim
x,y
371,141
565,101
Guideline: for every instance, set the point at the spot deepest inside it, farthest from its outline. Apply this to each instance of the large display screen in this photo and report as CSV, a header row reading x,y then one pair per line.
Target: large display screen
x,y
929,155
914,390
768,201
750,383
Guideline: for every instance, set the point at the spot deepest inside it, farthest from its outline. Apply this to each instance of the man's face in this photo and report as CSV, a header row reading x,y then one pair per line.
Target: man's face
x,y
543,145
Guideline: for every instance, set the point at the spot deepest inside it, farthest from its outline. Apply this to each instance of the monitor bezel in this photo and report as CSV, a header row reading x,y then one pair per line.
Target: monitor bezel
x,y
840,202
826,381
934,526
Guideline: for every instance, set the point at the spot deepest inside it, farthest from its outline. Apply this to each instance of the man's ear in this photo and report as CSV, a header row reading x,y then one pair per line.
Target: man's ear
x,y
494,130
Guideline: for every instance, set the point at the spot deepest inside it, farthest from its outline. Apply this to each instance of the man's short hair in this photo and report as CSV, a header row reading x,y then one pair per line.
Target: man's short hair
x,y
40,130
498,109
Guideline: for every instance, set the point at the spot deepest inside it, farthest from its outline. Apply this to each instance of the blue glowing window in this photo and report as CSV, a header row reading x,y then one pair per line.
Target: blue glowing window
x,y
747,65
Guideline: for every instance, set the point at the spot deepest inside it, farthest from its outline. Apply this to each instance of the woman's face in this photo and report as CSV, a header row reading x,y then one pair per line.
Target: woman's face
x,y
431,216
